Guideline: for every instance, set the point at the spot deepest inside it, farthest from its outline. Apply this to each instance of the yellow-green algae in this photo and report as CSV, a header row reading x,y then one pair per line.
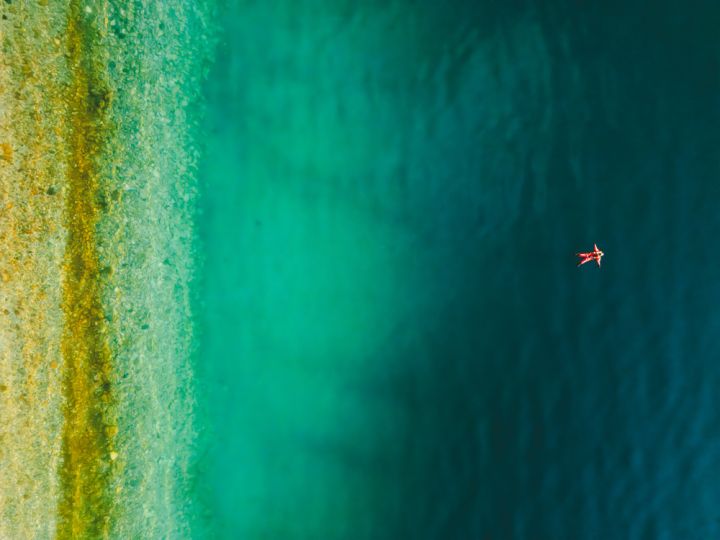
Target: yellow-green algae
x,y
97,189
88,450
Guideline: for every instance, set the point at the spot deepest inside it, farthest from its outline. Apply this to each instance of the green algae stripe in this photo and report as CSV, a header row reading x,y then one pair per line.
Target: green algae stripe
x,y
85,506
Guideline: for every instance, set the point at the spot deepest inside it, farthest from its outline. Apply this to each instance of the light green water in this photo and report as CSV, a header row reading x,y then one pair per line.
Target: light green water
x,y
306,276
339,192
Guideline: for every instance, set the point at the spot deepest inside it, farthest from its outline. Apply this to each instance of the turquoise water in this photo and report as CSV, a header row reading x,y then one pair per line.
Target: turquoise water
x,y
394,339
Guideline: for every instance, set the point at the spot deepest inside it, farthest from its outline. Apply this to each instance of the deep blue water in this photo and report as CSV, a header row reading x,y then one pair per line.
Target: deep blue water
x,y
396,340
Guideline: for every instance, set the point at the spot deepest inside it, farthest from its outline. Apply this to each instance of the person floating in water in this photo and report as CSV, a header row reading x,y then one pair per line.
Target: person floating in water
x,y
594,255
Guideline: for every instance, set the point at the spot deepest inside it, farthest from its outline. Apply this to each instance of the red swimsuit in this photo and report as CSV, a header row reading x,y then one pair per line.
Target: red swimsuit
x,y
594,255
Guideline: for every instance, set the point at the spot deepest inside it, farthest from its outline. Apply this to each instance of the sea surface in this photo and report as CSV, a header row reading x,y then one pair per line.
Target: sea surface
x,y
305,270
396,342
